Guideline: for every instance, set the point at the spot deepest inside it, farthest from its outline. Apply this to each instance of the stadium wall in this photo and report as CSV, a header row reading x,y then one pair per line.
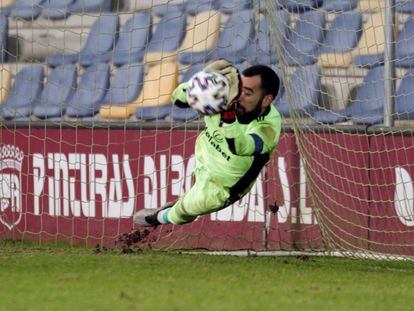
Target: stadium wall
x,y
82,185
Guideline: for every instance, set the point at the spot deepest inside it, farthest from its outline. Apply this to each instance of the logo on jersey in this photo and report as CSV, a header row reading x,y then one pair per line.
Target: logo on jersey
x,y
11,159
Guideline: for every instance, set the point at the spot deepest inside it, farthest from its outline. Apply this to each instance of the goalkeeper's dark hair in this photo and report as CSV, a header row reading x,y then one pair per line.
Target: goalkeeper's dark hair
x,y
270,80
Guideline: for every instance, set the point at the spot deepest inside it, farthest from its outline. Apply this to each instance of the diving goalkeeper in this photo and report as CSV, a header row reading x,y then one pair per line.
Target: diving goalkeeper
x,y
232,149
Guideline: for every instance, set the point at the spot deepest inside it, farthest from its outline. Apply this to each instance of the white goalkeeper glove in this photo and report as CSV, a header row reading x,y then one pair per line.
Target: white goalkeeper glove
x,y
232,75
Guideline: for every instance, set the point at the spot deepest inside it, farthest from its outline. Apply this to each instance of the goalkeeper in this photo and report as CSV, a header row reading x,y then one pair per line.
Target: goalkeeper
x,y
232,149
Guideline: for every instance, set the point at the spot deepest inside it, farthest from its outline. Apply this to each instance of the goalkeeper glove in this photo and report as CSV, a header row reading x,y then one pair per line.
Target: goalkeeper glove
x,y
232,75
179,96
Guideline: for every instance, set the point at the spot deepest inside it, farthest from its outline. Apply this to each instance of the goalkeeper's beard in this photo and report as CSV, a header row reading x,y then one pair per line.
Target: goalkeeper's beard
x,y
246,117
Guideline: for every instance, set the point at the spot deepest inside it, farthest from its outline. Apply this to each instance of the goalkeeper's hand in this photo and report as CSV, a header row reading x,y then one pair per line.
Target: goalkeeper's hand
x,y
179,96
232,75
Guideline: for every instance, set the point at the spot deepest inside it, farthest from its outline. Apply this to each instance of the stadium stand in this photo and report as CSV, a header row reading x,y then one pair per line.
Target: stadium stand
x,y
24,93
57,91
304,88
371,6
5,83
125,85
300,6
340,5
56,9
153,113
342,37
233,41
5,6
194,7
303,43
100,41
132,42
91,90
26,9
202,32
371,43
283,20
364,109
4,28
369,52
167,38
404,100
405,7
404,49
159,83
90,6
165,8
231,6
262,48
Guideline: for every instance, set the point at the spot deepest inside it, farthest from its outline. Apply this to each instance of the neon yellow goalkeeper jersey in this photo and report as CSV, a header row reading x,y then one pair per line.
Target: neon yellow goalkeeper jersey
x,y
234,154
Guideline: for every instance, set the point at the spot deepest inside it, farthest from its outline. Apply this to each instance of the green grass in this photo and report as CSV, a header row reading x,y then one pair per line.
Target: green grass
x,y
61,278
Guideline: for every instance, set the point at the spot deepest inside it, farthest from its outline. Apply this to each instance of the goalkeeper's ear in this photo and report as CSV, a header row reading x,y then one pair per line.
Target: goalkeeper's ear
x,y
179,96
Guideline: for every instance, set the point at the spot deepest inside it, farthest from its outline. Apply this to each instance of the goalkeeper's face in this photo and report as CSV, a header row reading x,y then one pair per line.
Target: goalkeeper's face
x,y
252,101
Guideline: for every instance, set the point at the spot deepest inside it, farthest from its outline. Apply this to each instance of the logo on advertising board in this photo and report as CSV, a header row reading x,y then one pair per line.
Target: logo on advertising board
x,y
11,159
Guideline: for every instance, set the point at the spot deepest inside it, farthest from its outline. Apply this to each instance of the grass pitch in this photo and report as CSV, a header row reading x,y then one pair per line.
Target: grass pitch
x,y
59,278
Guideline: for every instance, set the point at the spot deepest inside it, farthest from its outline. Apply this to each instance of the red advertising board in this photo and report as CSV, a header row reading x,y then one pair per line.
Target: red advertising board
x,y
83,185
392,208
338,172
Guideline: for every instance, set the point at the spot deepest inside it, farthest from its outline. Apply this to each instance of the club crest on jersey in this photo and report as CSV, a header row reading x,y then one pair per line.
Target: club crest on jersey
x,y
11,159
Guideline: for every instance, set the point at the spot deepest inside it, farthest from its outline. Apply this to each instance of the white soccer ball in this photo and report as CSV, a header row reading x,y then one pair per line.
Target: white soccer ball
x,y
208,92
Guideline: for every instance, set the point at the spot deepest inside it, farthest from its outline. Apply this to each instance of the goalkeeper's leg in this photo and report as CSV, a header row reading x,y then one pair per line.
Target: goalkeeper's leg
x,y
203,198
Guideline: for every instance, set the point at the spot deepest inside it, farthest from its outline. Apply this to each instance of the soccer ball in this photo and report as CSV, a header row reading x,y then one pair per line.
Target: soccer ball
x,y
208,92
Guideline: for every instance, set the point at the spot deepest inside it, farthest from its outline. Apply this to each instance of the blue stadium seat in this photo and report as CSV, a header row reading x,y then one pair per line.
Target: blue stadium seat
x,y
260,6
262,49
344,33
177,114
4,30
169,33
5,7
56,9
99,42
303,87
231,6
406,6
281,92
404,50
26,9
340,5
164,8
300,6
90,6
153,113
24,93
366,107
303,43
234,40
132,41
59,88
404,100
125,84
90,92
193,7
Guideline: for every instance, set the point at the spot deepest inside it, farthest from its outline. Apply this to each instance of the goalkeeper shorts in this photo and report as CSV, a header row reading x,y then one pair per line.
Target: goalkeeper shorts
x,y
206,196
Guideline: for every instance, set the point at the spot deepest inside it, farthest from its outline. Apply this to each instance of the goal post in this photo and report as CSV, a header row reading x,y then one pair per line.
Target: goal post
x,y
358,168
89,136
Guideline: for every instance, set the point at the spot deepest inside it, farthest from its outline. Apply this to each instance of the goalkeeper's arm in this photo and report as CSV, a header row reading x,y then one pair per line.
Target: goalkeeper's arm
x,y
261,139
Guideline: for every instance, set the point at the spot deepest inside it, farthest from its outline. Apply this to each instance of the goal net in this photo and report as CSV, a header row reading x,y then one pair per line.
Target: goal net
x,y
89,135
